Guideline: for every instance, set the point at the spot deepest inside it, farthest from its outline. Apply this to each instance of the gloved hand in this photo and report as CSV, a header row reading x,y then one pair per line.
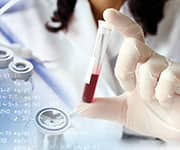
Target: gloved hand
x,y
150,104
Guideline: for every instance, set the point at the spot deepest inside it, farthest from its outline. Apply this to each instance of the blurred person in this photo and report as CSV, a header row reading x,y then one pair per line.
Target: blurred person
x,y
156,27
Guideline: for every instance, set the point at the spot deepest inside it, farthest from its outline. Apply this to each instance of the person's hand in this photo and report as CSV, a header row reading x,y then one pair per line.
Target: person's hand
x,y
151,103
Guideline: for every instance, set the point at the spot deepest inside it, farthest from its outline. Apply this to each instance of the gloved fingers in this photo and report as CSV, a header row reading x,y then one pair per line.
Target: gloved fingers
x,y
105,108
149,73
131,53
167,88
123,24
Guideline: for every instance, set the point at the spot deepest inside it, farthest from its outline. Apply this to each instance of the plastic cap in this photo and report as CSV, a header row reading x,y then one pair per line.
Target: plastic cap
x,y
20,70
103,24
6,56
52,121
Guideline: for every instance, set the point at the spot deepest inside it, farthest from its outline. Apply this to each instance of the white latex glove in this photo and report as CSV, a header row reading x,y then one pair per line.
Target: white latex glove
x,y
151,103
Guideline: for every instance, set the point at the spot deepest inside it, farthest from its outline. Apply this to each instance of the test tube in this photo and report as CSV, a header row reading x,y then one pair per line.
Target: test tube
x,y
101,44
8,5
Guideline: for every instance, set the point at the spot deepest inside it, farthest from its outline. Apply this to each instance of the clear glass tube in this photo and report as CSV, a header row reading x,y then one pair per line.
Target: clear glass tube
x,y
8,5
101,45
96,61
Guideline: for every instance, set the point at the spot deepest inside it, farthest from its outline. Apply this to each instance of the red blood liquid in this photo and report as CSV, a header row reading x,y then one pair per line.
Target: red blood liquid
x,y
89,89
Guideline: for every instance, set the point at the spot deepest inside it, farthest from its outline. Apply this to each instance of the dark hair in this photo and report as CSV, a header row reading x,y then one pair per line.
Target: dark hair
x,y
148,13
62,15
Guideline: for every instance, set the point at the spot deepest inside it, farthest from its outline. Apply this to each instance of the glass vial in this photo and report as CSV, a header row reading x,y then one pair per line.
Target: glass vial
x,y
51,124
21,90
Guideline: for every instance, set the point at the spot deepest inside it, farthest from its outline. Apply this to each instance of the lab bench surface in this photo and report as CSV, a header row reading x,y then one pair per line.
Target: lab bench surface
x,y
84,133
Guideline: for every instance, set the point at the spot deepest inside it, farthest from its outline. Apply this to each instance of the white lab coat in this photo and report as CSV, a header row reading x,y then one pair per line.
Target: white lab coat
x,y
72,50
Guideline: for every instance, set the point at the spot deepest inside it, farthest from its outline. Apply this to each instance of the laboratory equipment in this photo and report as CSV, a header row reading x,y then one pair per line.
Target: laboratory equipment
x,y
21,90
15,101
51,124
8,5
58,87
96,61
21,5
6,56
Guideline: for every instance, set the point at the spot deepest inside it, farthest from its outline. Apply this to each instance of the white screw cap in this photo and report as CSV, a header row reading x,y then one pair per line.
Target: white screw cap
x,y
6,56
20,70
